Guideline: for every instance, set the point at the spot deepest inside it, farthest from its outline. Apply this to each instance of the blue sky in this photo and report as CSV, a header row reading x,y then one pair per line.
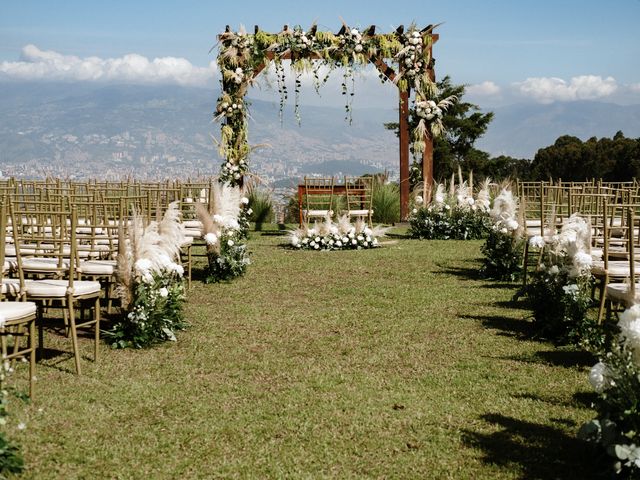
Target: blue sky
x,y
506,51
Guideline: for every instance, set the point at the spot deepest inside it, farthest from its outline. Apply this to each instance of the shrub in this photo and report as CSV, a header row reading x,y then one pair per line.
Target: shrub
x,y
261,205
386,202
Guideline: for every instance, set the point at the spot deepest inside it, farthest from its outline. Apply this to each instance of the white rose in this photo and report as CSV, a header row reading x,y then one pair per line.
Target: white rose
x,y
244,201
599,377
231,243
163,292
211,239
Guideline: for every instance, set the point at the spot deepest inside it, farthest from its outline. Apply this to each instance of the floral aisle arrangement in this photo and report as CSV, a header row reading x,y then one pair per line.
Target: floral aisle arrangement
x,y
452,214
241,55
559,290
225,229
343,235
11,461
616,380
504,246
149,281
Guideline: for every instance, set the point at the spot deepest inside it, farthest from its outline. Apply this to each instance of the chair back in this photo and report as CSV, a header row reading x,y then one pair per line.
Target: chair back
x,y
359,197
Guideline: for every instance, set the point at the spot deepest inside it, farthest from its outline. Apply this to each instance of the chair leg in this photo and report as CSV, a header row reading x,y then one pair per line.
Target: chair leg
x,y
74,334
32,356
40,330
603,285
525,262
97,329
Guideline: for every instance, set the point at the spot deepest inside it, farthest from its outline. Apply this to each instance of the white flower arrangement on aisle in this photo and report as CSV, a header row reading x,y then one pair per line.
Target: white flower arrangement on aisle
x,y
224,231
504,245
343,235
560,289
452,212
149,280
616,379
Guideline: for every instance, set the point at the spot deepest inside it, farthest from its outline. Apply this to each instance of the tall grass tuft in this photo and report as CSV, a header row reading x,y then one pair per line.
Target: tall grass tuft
x,y
386,202
261,202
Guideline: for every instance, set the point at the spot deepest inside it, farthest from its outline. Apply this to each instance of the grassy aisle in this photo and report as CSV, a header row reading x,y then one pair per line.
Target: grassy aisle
x,y
394,363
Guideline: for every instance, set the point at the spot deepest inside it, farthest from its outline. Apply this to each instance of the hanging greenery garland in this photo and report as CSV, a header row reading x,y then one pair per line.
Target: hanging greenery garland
x,y
242,56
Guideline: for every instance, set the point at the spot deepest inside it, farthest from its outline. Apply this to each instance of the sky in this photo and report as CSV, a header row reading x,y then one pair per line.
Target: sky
x,y
505,51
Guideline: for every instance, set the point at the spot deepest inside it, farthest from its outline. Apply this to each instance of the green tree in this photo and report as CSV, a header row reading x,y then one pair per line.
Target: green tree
x,y
569,158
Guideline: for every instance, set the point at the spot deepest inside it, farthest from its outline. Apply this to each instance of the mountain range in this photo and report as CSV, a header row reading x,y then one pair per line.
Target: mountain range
x,y
88,130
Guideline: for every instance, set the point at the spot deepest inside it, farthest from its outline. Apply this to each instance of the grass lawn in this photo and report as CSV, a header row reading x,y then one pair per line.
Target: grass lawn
x,y
391,363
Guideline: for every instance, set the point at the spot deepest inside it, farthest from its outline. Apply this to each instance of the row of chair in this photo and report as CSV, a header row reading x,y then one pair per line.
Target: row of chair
x,y
613,213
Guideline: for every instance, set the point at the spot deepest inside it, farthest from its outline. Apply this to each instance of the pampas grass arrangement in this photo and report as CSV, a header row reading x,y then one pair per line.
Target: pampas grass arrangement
x,y
149,280
225,226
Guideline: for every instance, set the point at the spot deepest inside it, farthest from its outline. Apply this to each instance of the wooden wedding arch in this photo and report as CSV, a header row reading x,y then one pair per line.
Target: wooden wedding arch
x,y
243,56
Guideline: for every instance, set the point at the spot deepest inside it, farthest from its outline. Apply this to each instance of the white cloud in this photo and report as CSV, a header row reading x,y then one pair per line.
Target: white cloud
x,y
36,64
484,89
584,87
635,87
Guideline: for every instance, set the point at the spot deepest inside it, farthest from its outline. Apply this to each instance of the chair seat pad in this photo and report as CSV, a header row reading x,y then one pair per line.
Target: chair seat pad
x,y
617,268
193,232
193,224
533,222
10,286
9,264
619,291
596,253
16,310
187,241
316,213
43,264
359,212
58,288
97,267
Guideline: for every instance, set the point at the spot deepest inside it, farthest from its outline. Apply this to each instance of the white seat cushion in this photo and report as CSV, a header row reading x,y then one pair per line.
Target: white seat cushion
x,y
316,213
617,268
620,291
58,288
9,264
197,224
193,232
359,212
97,267
43,264
10,286
187,241
16,310
533,222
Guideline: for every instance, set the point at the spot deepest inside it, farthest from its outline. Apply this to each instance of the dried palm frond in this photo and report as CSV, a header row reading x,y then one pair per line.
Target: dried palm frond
x,y
440,194
226,200
360,225
208,225
484,195
124,271
171,231
344,225
379,231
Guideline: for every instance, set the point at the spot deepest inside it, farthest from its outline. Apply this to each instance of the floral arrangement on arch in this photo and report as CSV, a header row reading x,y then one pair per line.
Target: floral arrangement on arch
x,y
616,380
341,235
242,54
452,212
504,245
225,229
149,281
560,289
